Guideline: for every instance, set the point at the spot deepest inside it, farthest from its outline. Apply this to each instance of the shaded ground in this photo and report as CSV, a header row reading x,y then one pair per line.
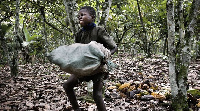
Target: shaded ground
x,y
39,87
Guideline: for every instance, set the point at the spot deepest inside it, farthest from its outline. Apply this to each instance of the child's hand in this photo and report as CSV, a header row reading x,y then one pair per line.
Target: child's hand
x,y
104,61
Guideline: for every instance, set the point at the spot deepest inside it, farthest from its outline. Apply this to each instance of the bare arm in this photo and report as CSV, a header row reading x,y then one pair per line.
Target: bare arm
x,y
112,51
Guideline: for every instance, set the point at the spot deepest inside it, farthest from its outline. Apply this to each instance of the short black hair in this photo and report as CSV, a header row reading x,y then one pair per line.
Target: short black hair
x,y
90,9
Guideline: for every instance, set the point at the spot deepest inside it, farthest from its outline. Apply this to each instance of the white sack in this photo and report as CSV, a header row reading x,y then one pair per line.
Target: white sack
x,y
80,59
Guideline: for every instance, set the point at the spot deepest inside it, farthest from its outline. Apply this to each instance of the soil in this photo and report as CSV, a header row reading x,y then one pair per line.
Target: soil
x,y
38,86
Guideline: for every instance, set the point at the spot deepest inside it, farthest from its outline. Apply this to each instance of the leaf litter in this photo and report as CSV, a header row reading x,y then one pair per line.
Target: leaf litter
x,y
137,84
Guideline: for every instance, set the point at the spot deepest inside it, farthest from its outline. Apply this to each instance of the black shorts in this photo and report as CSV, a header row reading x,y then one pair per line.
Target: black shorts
x,y
97,77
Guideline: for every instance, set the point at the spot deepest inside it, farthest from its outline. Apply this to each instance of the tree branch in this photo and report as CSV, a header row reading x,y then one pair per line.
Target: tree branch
x,y
51,25
54,27
123,35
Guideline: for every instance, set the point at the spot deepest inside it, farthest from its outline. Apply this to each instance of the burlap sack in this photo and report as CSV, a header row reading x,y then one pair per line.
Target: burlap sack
x,y
80,59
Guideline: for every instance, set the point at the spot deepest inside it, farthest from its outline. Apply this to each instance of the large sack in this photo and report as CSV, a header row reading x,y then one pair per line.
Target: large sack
x,y
80,59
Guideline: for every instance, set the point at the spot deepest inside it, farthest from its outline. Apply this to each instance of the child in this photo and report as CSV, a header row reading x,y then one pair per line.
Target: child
x,y
88,33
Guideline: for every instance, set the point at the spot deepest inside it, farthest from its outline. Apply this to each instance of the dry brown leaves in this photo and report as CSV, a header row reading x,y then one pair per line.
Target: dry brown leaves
x,y
138,84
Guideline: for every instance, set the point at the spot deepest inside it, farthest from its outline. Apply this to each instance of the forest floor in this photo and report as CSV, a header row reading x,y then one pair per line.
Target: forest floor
x,y
138,84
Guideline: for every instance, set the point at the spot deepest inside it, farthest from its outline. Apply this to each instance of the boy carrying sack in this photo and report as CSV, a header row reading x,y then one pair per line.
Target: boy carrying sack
x,y
92,57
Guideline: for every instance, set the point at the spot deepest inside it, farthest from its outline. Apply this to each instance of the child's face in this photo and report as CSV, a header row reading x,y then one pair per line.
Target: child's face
x,y
84,17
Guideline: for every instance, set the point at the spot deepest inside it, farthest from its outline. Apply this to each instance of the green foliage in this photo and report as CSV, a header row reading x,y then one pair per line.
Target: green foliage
x,y
28,36
64,76
5,28
37,47
123,23
194,92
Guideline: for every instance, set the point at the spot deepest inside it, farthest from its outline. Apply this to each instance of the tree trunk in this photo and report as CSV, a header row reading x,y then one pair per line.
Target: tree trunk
x,y
42,11
3,46
179,58
97,12
71,19
197,48
172,50
182,62
193,26
105,13
144,30
165,48
14,55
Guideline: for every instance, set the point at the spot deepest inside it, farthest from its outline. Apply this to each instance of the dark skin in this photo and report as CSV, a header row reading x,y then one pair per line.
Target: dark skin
x,y
84,19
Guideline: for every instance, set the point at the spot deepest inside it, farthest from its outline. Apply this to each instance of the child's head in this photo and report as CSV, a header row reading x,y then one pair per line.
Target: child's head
x,y
86,15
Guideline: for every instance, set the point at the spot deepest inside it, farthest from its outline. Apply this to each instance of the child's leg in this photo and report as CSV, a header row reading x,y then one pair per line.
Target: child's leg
x,y
68,86
97,95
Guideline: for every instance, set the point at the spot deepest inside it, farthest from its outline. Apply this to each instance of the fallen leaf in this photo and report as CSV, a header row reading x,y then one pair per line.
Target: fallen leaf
x,y
158,96
112,87
125,85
